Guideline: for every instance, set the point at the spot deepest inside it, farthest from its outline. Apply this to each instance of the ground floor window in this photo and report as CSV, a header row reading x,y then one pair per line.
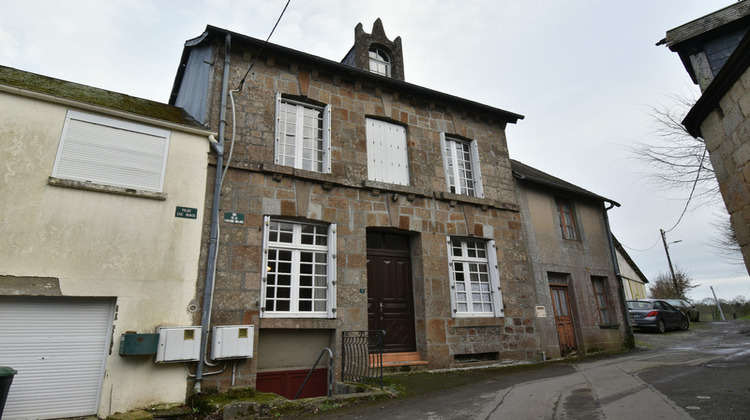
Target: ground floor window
x,y
300,270
475,283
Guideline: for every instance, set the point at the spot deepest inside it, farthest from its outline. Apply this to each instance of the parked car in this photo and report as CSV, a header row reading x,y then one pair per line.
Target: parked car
x,y
657,314
687,308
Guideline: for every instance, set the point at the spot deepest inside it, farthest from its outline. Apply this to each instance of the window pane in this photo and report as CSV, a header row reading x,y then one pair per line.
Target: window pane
x,y
297,269
301,137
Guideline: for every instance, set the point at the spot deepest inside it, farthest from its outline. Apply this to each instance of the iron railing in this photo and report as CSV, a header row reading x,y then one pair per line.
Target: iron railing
x,y
362,356
312,369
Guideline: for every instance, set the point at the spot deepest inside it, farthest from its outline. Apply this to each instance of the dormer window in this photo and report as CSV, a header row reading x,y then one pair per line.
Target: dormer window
x,y
380,63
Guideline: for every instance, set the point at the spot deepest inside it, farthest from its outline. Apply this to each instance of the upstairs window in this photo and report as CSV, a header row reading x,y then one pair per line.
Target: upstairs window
x,y
380,62
602,302
303,138
300,270
387,156
567,218
461,164
112,152
475,282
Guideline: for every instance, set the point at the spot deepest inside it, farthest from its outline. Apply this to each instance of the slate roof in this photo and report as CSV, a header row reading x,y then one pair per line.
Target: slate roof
x,y
527,173
303,58
94,96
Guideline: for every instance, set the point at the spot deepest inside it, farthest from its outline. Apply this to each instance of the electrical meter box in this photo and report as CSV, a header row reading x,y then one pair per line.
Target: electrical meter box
x,y
132,344
232,341
178,344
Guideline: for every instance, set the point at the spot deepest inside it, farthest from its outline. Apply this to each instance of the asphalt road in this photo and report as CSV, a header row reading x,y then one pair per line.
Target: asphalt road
x,y
702,373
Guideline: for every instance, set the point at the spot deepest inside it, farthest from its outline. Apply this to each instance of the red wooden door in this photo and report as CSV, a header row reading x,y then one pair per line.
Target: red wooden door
x,y
563,319
389,291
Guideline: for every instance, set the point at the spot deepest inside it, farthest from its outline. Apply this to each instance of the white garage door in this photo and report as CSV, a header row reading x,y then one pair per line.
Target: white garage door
x,y
58,346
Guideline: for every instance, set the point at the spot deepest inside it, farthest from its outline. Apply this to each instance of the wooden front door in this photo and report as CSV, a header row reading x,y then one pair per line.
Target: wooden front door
x,y
563,319
389,290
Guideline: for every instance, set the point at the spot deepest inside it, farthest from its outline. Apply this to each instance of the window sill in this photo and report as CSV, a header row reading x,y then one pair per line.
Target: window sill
x,y
609,326
90,186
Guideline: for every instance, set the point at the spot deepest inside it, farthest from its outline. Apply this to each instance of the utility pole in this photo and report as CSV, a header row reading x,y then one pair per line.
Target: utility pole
x,y
717,304
669,260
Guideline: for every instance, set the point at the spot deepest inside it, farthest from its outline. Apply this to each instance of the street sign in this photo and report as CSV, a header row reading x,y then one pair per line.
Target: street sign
x,y
237,218
186,212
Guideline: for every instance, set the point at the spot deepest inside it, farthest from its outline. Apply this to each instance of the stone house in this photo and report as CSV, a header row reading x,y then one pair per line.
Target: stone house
x,y
355,201
92,182
579,298
716,52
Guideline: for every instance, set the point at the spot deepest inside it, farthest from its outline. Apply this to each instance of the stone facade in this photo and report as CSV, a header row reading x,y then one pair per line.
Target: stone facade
x,y
424,210
726,131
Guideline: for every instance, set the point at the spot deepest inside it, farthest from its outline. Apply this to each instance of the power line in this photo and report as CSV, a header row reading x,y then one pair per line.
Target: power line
x,y
641,250
252,63
690,197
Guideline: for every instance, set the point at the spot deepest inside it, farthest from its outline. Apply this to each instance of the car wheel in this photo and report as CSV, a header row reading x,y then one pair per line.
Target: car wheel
x,y
685,324
660,327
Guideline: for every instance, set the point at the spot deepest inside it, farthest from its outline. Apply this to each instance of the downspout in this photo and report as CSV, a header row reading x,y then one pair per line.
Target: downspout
x,y
629,337
213,247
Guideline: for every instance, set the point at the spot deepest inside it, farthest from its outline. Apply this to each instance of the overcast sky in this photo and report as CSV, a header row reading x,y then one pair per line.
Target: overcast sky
x,y
583,72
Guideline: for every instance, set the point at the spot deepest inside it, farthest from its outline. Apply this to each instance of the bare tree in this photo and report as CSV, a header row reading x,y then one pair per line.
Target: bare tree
x,y
680,161
663,287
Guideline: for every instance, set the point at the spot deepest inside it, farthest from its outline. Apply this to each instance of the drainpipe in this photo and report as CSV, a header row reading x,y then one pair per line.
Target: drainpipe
x,y
629,337
208,289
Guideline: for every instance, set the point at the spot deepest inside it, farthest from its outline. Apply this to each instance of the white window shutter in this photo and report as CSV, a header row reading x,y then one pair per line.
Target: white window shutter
x,y
497,295
332,271
277,129
112,152
446,169
479,192
264,265
451,277
327,139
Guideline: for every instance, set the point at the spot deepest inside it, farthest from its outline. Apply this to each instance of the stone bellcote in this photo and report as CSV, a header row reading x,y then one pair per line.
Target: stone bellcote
x,y
376,53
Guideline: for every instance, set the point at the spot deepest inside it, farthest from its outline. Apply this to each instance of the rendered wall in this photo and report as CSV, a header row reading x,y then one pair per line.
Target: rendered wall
x,y
100,244
582,258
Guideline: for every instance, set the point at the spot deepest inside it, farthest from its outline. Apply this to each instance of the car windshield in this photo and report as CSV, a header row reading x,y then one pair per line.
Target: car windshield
x,y
639,305
675,302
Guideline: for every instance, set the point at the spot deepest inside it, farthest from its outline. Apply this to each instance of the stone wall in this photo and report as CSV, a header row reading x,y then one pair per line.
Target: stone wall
x,y
726,131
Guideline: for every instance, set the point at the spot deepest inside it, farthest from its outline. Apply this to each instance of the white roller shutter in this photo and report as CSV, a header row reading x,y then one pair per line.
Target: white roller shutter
x,y
58,346
112,152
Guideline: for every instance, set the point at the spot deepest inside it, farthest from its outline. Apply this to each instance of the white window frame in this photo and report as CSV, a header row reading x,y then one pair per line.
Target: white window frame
x,y
296,248
448,146
387,152
299,134
492,271
112,152
379,61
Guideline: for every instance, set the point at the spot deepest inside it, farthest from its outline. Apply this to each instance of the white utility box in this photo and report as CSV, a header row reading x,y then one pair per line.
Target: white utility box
x,y
178,344
232,341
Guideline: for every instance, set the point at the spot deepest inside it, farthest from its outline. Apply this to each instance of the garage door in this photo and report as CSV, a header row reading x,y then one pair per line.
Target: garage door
x,y
58,346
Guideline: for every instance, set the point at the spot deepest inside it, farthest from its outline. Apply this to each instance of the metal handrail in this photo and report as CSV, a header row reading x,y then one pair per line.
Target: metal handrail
x,y
330,373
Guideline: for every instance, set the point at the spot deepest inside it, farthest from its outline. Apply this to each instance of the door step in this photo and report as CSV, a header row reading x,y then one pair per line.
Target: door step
x,y
399,362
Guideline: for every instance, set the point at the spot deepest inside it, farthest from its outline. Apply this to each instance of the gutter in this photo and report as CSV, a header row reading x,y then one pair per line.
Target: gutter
x,y
629,337
213,241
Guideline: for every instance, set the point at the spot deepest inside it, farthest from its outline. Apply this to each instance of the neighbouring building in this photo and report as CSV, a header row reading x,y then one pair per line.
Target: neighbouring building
x,y
633,280
716,52
102,195
362,203
579,298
